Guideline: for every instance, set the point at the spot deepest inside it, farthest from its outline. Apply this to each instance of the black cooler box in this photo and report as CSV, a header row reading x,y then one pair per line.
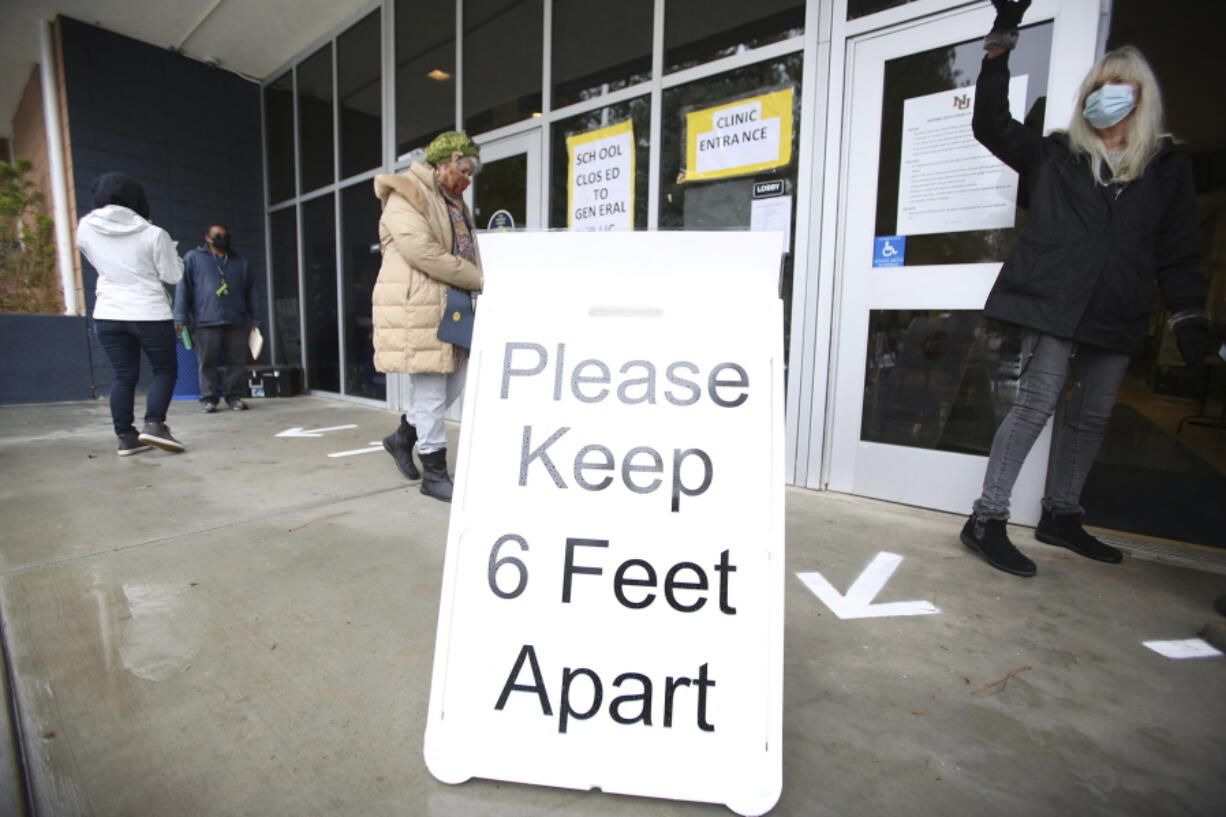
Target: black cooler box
x,y
274,381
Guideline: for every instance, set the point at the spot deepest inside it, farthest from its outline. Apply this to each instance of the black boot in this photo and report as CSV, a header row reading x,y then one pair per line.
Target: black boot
x,y
1065,530
436,482
988,538
400,445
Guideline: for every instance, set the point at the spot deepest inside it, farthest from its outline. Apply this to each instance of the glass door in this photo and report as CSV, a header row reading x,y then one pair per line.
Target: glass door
x,y
506,194
921,380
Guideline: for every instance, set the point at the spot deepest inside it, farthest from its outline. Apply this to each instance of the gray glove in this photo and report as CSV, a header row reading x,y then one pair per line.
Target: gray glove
x,y
1004,27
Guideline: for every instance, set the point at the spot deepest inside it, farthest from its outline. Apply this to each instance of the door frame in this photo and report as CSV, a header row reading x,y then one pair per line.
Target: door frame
x,y
529,142
1075,44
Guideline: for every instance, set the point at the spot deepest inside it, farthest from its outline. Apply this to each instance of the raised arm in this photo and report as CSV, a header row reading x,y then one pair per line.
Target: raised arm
x,y
993,124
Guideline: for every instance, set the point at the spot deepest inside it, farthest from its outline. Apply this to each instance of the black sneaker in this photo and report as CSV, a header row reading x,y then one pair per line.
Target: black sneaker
x,y
236,403
988,538
158,434
1064,530
130,444
208,406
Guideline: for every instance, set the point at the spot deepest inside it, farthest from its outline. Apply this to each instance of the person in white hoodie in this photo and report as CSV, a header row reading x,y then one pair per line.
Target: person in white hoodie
x,y
136,261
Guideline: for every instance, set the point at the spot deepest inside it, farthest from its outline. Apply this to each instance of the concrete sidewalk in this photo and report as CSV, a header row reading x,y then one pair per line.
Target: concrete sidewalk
x,y
248,628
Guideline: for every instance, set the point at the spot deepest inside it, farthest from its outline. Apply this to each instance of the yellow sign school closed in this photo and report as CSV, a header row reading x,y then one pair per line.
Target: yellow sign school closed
x,y
600,179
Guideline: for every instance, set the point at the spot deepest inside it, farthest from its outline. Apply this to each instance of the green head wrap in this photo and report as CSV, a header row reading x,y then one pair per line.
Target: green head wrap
x,y
446,146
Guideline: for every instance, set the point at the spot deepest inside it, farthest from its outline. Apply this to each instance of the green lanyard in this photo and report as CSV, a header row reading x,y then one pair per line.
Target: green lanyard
x,y
224,289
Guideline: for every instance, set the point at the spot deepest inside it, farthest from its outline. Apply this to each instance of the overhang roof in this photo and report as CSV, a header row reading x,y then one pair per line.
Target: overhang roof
x,y
252,37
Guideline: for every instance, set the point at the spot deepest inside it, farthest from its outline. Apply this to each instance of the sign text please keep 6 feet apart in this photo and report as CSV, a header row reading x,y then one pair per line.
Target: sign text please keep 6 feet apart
x,y
612,601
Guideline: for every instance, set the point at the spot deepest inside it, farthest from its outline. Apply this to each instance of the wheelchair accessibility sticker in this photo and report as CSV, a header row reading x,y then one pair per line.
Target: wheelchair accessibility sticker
x,y
889,250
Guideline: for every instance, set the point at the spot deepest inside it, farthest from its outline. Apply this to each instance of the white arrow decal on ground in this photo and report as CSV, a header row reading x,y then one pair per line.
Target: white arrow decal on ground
x,y
1184,648
858,602
378,446
298,431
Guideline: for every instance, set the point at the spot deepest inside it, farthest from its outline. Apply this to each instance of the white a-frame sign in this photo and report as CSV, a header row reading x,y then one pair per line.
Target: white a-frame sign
x,y
612,601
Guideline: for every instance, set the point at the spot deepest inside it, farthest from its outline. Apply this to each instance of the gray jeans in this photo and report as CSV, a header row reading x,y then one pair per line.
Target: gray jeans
x,y
1094,377
428,402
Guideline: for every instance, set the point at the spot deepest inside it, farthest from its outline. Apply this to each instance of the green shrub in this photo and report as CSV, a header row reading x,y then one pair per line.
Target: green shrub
x,y
28,280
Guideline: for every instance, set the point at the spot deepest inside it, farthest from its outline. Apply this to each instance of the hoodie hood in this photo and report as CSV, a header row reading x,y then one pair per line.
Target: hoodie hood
x,y
115,219
412,184
122,189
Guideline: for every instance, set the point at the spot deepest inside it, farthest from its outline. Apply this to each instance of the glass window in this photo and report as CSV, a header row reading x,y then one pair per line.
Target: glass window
x,y
425,72
501,185
860,8
637,111
315,119
360,95
728,203
943,69
360,258
599,47
283,241
502,62
698,31
279,133
319,291
939,379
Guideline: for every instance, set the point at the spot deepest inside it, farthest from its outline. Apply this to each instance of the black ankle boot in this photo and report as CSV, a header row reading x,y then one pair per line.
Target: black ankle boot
x,y
1065,531
400,445
988,538
436,482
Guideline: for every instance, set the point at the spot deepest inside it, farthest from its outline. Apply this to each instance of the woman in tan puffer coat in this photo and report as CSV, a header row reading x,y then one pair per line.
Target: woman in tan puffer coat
x,y
428,245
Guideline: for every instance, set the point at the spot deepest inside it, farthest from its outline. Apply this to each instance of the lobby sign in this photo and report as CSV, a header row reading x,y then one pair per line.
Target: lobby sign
x,y
600,179
611,612
947,181
746,136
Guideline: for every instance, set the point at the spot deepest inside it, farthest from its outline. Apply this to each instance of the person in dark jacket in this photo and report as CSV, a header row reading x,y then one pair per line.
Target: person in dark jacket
x,y
216,300
1111,211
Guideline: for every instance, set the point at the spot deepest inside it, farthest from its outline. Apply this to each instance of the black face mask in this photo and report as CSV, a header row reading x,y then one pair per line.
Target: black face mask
x,y
221,242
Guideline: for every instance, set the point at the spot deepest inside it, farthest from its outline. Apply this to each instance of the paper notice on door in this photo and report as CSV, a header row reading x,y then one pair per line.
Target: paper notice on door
x,y
948,182
773,214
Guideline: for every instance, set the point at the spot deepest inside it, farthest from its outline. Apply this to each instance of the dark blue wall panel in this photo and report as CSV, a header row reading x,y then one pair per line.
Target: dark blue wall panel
x,y
46,359
188,132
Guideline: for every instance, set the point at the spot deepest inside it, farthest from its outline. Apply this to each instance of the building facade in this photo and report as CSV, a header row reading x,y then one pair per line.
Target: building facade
x,y
890,371
843,123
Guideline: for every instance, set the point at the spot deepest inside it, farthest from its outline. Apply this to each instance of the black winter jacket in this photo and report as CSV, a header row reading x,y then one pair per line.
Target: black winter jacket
x,y
1085,266
196,300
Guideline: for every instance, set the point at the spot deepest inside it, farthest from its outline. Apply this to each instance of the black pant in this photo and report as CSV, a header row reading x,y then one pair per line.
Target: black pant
x,y
215,344
123,342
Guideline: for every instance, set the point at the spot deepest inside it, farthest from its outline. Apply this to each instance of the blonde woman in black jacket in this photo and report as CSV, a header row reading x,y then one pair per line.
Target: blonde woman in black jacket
x,y
1111,211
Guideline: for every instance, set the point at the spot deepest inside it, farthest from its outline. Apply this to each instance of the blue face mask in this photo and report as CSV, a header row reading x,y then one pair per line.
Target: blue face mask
x,y
1109,105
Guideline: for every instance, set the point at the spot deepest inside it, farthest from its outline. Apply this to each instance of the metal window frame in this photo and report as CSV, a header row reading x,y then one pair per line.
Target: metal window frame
x,y
823,46
655,87
300,197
